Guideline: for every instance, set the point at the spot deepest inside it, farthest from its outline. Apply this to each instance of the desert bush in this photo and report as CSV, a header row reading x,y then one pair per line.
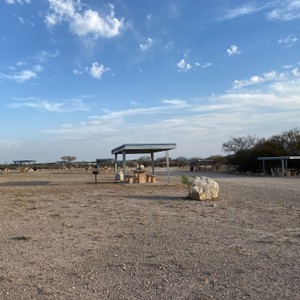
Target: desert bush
x,y
187,181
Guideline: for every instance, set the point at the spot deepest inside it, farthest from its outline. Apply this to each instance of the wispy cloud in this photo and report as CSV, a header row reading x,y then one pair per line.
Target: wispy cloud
x,y
183,66
285,10
84,21
246,9
266,77
233,50
77,72
288,41
147,45
17,1
274,10
43,55
175,102
23,75
72,105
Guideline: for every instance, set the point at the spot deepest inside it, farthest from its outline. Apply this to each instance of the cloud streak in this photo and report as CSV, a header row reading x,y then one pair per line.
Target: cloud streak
x,y
49,106
288,41
22,76
270,76
284,10
17,1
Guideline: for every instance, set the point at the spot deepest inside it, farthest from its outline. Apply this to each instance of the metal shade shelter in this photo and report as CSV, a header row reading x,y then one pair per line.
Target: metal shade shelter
x,y
142,149
283,159
24,161
101,161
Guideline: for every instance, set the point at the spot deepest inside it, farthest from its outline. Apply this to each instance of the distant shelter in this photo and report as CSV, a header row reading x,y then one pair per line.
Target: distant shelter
x,y
284,170
142,149
24,162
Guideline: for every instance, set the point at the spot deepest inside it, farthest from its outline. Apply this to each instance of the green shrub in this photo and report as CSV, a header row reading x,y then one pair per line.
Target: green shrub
x,y
187,182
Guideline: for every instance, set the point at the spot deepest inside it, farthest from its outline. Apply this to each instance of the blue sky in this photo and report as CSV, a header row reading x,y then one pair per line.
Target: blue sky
x,y
81,77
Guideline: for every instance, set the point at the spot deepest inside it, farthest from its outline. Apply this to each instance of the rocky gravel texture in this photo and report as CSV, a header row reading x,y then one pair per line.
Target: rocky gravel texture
x,y
64,237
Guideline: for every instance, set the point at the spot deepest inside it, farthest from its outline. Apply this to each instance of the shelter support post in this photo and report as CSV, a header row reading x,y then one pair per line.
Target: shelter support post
x,y
168,165
264,166
152,162
124,164
282,166
116,165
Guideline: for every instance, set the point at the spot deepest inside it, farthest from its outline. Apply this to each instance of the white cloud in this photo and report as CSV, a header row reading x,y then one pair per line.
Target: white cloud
x,y
285,10
23,75
147,45
175,102
254,80
203,66
97,70
266,77
77,72
233,50
17,1
84,22
246,9
183,66
45,105
29,73
44,55
288,41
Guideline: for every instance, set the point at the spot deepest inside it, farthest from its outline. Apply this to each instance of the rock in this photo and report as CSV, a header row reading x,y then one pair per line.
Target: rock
x,y
204,188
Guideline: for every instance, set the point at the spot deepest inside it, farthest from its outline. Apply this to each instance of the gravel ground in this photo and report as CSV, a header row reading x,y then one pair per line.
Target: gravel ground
x,y
64,237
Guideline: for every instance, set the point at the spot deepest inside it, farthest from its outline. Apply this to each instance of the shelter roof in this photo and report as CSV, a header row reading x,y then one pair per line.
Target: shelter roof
x,y
142,148
104,159
277,157
24,161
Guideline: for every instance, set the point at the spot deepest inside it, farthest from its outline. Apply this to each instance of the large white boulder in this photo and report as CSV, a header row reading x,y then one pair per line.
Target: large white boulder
x,y
204,188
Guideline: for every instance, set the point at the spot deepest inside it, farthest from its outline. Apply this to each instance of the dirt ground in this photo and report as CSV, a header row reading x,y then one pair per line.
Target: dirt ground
x,y
64,237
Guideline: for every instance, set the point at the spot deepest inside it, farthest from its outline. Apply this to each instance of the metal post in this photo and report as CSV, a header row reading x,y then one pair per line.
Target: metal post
x,y
282,166
152,162
124,165
116,166
168,171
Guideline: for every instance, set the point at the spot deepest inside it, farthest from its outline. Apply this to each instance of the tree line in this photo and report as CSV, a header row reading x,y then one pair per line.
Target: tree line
x,y
242,152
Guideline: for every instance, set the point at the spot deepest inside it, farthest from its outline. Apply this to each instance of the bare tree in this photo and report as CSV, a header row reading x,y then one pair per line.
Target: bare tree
x,y
235,145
